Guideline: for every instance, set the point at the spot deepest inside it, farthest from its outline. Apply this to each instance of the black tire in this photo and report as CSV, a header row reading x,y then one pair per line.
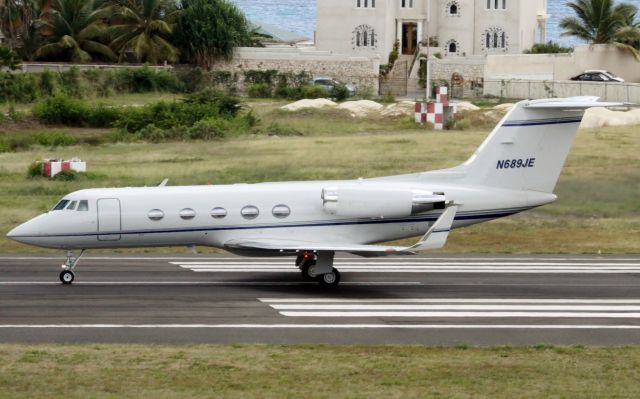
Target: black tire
x,y
67,277
330,279
307,272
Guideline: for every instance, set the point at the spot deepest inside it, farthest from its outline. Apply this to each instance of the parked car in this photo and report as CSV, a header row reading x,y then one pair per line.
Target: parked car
x,y
329,83
598,76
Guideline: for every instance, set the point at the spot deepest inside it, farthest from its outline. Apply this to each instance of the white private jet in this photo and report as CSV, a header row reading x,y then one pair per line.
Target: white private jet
x,y
515,169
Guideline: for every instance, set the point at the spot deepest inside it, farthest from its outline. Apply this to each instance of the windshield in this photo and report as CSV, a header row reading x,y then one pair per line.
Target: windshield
x,y
60,205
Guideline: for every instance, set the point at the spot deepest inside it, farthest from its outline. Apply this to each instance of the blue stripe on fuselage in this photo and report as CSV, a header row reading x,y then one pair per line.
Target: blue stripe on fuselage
x,y
498,213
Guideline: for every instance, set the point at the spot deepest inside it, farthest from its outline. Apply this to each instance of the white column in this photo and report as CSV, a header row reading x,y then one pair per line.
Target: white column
x,y
399,32
420,25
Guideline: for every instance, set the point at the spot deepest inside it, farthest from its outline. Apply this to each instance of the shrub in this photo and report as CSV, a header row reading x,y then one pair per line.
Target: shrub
x,y
259,90
61,109
53,139
313,91
339,92
66,175
550,47
49,83
34,170
102,116
190,79
210,128
267,77
20,88
74,85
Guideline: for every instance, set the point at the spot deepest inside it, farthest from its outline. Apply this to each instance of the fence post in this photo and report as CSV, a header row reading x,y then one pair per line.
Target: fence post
x,y
529,91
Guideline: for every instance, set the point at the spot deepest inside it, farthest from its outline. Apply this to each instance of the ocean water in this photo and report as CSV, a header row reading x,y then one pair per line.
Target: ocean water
x,y
299,16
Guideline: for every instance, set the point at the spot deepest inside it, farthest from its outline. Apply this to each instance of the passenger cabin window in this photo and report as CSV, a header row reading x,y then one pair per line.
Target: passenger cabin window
x,y
187,214
218,213
83,206
155,214
281,211
72,206
249,212
61,205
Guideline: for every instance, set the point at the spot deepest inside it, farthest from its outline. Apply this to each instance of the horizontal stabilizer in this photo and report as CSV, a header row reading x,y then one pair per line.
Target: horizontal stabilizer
x,y
435,238
583,102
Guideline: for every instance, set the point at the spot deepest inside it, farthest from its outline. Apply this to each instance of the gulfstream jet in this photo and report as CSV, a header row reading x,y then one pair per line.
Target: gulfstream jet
x,y
515,169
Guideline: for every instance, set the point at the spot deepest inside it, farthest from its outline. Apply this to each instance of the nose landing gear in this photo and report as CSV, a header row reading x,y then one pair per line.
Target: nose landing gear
x,y
67,275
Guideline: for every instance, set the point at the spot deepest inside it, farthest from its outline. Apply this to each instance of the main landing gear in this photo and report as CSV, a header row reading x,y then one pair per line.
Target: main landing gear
x,y
67,275
318,267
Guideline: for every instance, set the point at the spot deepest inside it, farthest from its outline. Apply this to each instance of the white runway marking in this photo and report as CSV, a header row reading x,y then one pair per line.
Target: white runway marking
x,y
457,308
205,283
446,265
242,259
331,326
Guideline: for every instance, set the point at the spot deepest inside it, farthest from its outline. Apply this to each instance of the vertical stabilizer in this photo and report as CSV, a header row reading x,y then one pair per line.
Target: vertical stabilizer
x,y
528,148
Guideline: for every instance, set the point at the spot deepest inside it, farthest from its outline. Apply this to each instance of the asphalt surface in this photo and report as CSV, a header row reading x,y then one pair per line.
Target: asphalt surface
x,y
434,300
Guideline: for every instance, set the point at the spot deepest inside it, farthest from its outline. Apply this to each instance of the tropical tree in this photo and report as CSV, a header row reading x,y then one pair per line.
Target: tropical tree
x,y
8,59
142,28
210,30
14,15
73,30
603,22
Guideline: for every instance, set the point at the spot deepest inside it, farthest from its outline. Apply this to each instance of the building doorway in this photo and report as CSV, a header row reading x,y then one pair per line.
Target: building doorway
x,y
409,37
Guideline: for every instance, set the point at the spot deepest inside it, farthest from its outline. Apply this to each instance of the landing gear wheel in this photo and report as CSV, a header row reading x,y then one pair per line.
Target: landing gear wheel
x,y
330,279
67,276
307,269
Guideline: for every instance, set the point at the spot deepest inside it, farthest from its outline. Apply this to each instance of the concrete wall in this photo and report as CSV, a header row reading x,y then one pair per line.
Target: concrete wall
x,y
470,68
358,70
563,66
535,89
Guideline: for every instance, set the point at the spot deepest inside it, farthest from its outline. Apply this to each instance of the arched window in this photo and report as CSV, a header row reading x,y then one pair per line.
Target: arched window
x,y
364,36
453,48
495,38
453,8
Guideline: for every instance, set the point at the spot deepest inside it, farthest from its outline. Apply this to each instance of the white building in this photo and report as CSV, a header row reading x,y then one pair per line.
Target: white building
x,y
451,27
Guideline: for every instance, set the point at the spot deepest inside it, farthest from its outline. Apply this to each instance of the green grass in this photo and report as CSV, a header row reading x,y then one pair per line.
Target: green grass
x,y
317,371
598,209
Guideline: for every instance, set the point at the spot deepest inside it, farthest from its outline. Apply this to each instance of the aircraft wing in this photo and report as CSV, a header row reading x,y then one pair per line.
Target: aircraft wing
x,y
435,238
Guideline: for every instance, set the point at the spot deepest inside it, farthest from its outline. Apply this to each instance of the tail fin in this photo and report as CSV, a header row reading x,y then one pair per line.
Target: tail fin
x,y
528,148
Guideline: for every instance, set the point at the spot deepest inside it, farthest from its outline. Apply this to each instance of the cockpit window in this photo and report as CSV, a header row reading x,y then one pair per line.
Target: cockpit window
x,y
83,205
72,206
60,205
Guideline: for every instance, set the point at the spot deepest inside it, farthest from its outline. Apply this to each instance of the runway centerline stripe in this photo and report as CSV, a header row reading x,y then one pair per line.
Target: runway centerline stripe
x,y
406,263
328,326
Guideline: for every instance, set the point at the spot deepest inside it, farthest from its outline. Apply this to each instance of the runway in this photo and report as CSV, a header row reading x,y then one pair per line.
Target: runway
x,y
434,300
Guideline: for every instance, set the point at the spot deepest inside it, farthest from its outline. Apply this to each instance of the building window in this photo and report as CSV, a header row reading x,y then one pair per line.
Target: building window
x,y
496,4
364,36
452,47
453,8
406,3
365,3
495,38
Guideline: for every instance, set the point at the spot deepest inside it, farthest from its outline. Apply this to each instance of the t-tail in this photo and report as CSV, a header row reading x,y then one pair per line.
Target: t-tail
x,y
529,147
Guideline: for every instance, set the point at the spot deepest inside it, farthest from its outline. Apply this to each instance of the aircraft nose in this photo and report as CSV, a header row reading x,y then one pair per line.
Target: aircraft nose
x,y
23,233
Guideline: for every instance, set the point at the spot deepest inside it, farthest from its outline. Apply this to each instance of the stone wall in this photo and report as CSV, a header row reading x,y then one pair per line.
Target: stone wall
x,y
363,72
470,69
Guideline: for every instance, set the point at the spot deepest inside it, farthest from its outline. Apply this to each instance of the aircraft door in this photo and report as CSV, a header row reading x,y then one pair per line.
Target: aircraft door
x,y
109,219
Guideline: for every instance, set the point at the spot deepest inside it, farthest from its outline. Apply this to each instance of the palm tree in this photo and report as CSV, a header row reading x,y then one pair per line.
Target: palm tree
x,y
603,22
14,16
142,28
73,29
